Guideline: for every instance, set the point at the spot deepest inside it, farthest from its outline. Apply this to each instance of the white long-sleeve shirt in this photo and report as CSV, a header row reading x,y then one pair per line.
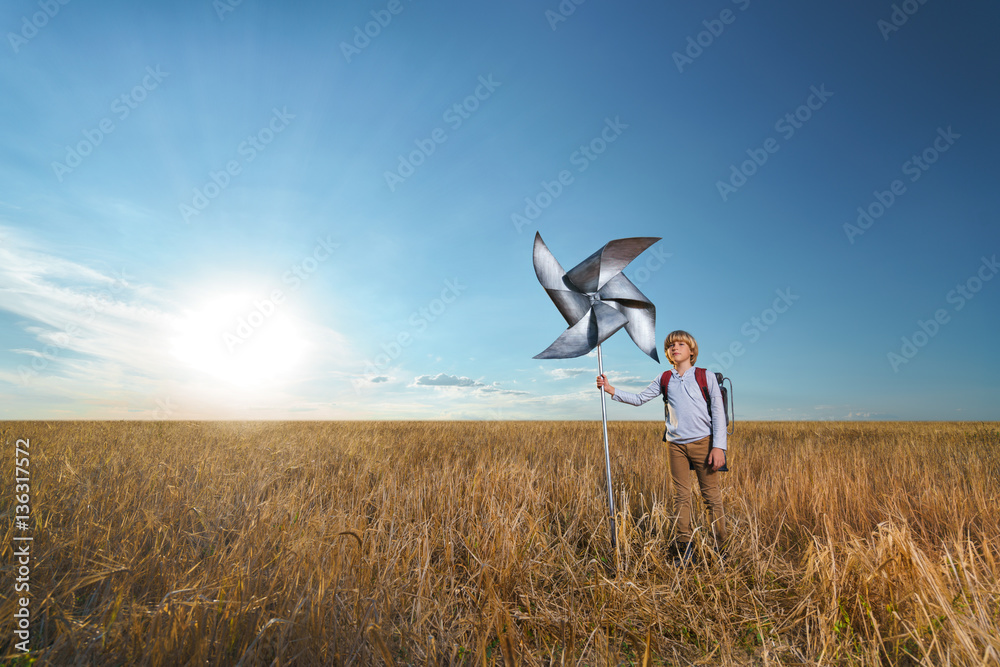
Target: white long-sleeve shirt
x,y
687,417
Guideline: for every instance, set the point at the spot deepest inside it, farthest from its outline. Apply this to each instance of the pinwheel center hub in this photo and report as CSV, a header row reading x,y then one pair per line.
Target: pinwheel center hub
x,y
594,298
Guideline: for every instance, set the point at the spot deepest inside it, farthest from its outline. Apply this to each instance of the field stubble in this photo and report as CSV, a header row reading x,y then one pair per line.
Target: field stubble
x,y
222,543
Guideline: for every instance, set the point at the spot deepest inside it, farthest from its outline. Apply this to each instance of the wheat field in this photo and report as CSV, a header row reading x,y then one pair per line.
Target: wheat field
x,y
362,543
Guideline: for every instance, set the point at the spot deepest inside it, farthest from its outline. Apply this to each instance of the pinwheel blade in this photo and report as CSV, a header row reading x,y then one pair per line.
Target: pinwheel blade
x,y
548,269
620,288
620,293
586,276
594,272
599,324
641,327
571,304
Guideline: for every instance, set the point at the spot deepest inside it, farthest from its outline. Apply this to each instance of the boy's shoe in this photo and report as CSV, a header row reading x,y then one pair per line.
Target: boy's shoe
x,y
683,553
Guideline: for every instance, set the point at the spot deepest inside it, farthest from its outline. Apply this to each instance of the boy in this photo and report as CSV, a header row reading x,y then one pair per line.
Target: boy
x,y
696,441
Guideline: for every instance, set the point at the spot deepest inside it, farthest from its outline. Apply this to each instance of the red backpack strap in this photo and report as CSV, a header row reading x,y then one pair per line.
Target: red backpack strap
x,y
664,381
700,376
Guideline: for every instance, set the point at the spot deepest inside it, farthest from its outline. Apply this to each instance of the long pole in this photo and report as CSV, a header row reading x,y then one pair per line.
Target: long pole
x,y
607,454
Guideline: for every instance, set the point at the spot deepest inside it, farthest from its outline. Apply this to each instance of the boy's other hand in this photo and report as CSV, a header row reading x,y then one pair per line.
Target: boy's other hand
x,y
716,458
602,383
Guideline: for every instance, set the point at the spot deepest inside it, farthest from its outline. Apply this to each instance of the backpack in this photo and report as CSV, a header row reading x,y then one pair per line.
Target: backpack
x,y
701,377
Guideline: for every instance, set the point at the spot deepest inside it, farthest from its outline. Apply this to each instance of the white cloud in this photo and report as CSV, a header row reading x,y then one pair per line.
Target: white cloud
x,y
445,380
566,373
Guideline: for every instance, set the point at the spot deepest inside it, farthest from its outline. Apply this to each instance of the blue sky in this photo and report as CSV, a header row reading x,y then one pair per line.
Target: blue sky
x,y
326,210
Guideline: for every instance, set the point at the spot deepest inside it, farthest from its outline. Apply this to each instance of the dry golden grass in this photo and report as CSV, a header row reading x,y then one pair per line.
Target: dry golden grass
x,y
487,543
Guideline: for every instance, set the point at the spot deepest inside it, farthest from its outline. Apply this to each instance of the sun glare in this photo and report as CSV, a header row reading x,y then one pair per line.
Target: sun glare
x,y
246,342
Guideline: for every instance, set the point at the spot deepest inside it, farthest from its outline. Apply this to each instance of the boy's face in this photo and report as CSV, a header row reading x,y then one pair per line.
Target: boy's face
x,y
678,352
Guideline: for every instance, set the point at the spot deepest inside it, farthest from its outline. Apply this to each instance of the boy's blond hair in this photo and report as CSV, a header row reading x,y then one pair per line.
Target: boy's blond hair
x,y
685,337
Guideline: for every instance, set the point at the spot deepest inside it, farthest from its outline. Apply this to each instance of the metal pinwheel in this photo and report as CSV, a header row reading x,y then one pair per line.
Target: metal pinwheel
x,y
596,299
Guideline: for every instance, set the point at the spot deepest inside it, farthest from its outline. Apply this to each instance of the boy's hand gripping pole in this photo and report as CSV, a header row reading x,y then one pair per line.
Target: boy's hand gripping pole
x,y
607,455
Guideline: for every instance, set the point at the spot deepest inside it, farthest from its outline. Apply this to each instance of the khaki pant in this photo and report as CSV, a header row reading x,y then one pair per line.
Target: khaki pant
x,y
697,454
